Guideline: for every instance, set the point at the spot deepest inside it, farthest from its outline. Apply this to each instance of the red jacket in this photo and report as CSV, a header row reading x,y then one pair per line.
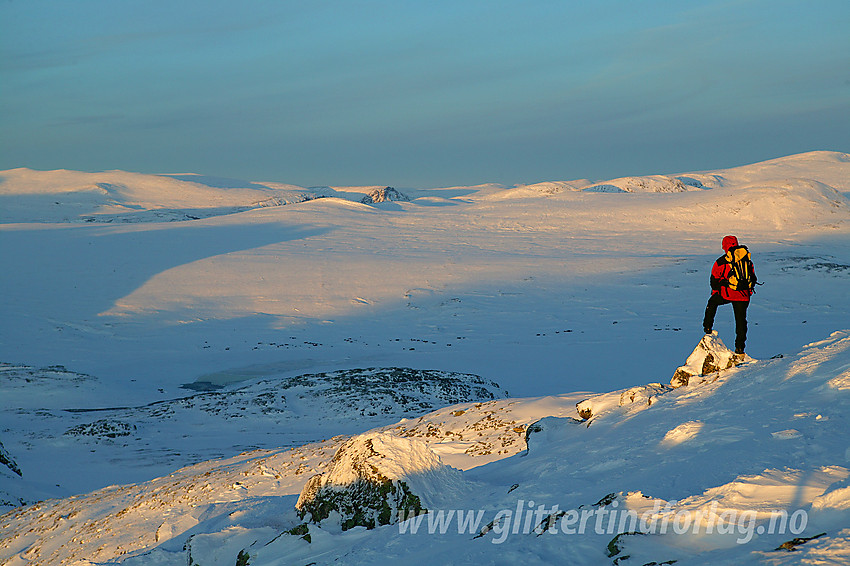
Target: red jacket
x,y
720,272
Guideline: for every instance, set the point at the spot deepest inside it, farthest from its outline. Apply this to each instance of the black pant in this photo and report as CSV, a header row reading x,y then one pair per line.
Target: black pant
x,y
740,308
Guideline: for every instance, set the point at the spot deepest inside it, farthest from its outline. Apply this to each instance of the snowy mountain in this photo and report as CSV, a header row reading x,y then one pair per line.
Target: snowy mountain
x,y
385,194
121,197
264,340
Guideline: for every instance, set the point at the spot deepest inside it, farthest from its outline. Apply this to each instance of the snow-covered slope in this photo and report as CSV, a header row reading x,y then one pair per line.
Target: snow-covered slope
x,y
724,471
544,189
132,300
829,167
102,444
648,184
119,196
110,521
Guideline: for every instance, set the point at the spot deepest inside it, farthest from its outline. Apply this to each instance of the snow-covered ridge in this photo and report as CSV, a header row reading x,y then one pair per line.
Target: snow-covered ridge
x,y
55,416
107,523
120,196
648,184
762,438
707,363
125,197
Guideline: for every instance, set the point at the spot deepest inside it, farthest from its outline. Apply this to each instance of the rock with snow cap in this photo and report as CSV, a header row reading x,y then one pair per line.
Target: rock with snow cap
x,y
641,396
376,479
7,461
709,357
385,194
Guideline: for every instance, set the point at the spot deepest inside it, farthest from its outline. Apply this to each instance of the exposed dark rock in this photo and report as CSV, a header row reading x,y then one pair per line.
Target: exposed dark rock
x,y
386,194
103,428
792,544
709,357
302,530
585,413
202,386
533,428
681,378
607,500
364,503
9,462
20,375
644,394
614,545
367,482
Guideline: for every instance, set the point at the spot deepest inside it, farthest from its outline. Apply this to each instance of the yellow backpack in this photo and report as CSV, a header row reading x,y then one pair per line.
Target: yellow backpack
x,y
743,276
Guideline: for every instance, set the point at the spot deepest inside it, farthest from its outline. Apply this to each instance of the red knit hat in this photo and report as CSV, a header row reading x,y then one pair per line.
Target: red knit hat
x,y
729,242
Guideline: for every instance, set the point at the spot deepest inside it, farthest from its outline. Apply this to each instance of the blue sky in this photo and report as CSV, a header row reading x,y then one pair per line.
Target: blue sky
x,y
420,94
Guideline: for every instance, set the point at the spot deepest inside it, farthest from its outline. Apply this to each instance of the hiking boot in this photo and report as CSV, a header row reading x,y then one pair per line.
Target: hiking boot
x,y
707,329
738,358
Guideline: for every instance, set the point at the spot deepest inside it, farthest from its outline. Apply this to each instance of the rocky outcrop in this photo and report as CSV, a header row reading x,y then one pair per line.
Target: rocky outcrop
x,y
360,392
7,461
709,357
386,194
102,429
646,184
643,396
371,482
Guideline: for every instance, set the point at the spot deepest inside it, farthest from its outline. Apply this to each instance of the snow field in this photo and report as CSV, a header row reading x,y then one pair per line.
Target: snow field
x,y
137,285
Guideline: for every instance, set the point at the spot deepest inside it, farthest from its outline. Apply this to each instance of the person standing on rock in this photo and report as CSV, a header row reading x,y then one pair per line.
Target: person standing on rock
x,y
733,280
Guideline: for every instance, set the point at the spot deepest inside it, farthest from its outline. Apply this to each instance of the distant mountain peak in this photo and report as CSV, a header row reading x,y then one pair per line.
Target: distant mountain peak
x,y
385,194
